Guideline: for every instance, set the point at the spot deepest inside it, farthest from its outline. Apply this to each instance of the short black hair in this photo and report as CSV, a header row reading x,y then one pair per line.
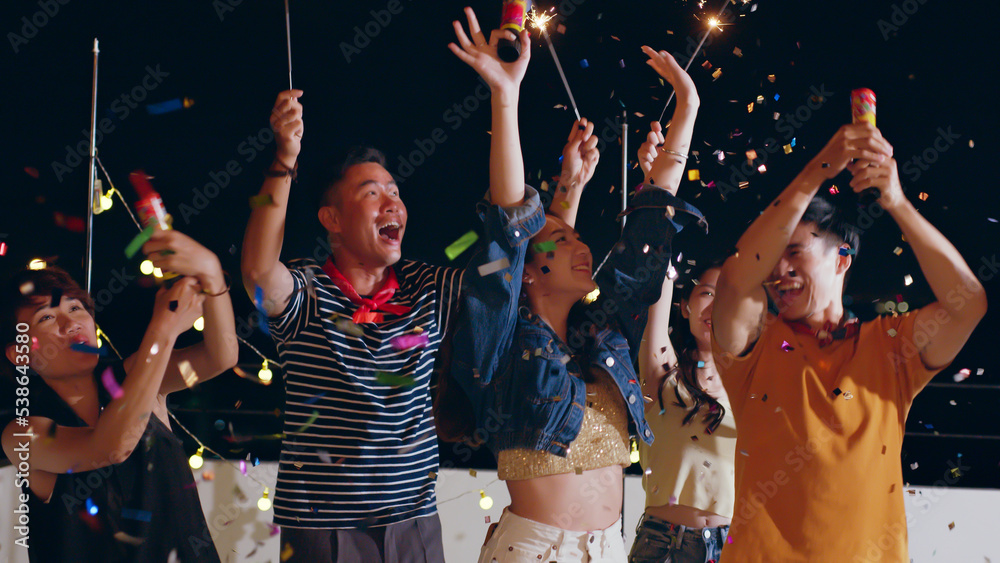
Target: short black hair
x,y
338,165
29,287
832,223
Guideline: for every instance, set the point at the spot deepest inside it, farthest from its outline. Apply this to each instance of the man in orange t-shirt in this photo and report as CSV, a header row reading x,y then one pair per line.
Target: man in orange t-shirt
x,y
820,400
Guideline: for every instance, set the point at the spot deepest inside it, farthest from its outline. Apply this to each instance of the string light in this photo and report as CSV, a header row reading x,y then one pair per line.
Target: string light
x,y
146,267
265,373
37,264
485,502
633,456
106,201
199,324
157,273
264,504
196,461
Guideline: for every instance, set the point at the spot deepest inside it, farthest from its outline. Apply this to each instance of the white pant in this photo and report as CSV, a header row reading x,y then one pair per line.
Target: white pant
x,y
519,540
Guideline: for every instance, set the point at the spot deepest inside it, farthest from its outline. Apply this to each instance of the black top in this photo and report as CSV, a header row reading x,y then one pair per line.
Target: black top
x,y
147,506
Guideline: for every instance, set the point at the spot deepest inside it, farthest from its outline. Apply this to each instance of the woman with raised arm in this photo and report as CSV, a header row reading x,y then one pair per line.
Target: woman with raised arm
x,y
108,480
566,397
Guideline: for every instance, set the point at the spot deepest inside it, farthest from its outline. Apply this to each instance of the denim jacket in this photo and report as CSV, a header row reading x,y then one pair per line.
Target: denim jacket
x,y
524,383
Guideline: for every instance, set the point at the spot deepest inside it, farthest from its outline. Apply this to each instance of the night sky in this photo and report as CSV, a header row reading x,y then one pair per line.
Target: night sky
x,y
380,72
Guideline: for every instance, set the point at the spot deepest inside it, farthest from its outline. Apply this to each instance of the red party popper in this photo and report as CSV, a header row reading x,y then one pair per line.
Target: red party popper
x,y
863,109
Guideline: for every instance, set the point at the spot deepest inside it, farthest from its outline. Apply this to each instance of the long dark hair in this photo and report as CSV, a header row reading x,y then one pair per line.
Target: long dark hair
x,y
687,364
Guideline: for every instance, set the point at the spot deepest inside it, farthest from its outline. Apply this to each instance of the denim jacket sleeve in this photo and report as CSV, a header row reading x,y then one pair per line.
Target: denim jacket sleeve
x,y
632,276
490,293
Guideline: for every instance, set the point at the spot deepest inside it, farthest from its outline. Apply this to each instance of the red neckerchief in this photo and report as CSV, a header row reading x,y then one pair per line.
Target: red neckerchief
x,y
366,307
848,327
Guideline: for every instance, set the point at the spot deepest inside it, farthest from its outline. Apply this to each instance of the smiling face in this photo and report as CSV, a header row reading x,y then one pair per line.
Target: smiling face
x,y
809,277
697,309
55,330
366,219
565,269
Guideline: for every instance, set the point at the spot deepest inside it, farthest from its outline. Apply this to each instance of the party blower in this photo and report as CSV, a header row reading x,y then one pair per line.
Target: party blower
x,y
863,109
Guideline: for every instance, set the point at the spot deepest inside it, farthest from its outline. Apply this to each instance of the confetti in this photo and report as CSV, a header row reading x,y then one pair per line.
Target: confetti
x,y
584,63
261,200
717,73
108,379
460,245
694,175
409,341
258,301
312,400
786,347
140,239
287,552
547,246
907,279
134,514
308,423
495,266
131,540
472,472
188,373
88,349
348,327
951,526
394,380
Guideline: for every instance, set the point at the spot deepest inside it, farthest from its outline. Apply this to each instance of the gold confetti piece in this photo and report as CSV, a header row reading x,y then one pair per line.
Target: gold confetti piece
x,y
694,175
287,552
472,472
751,155
706,65
750,107
564,204
951,526
955,472
432,475
188,373
787,149
898,250
261,200
738,52
923,196
578,470
717,73
744,185
770,78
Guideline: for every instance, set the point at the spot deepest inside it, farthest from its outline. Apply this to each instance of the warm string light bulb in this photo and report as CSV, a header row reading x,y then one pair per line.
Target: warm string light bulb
x,y
592,296
146,267
633,456
37,264
485,502
265,373
264,504
158,273
196,461
106,201
199,324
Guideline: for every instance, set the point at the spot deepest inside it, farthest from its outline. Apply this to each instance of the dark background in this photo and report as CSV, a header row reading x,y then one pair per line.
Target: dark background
x,y
937,69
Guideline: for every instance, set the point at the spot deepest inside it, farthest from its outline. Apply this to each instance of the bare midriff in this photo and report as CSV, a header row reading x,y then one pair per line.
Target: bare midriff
x,y
687,516
586,502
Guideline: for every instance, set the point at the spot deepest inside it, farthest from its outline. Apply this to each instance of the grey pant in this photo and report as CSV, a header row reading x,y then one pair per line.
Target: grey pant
x,y
413,541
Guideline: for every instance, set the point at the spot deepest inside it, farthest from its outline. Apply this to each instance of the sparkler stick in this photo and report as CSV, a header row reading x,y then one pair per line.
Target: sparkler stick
x,y
540,21
714,22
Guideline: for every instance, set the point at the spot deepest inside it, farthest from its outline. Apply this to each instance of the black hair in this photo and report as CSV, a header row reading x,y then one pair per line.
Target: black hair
x,y
340,162
832,223
685,370
30,287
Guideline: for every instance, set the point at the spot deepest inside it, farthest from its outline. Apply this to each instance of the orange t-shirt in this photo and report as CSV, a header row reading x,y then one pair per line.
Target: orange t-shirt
x,y
820,431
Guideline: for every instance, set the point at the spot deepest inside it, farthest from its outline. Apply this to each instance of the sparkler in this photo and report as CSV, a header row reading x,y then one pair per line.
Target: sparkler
x,y
540,20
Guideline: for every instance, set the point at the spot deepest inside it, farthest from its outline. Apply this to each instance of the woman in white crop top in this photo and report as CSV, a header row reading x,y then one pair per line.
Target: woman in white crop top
x,y
688,472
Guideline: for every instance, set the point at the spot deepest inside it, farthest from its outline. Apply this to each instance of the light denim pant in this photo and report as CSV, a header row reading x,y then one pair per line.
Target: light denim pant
x,y
519,540
659,541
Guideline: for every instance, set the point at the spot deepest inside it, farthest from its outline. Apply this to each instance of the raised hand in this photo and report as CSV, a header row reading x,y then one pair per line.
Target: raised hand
x,y
651,147
286,121
482,55
177,307
665,65
173,251
883,176
857,141
580,155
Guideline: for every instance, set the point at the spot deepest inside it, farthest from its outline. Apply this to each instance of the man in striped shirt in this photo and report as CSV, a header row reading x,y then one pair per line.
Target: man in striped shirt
x,y
358,336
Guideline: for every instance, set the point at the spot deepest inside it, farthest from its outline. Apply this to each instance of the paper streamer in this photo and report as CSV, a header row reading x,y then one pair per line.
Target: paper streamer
x,y
139,240
493,267
460,245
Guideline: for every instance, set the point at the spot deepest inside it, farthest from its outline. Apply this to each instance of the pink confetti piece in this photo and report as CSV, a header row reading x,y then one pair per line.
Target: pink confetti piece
x,y
243,467
108,379
408,341
786,347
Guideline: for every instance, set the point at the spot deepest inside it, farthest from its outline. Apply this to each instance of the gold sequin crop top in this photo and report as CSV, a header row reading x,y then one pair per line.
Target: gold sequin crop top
x,y
602,441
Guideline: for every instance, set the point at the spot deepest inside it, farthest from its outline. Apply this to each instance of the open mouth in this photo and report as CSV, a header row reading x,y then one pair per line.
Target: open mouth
x,y
389,232
582,268
787,291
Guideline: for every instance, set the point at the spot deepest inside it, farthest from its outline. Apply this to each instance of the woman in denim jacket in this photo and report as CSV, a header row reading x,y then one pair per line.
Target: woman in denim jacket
x,y
557,404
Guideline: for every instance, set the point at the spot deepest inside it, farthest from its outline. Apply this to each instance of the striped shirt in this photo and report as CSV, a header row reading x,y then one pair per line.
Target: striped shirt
x,y
358,451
